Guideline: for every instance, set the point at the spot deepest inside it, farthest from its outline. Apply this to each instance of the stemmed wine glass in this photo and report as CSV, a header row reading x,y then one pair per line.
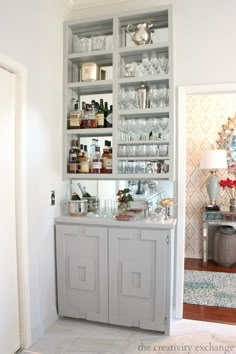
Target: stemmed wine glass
x,y
154,64
164,64
164,125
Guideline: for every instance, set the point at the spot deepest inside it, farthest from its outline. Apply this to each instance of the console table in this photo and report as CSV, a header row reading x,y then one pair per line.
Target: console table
x,y
222,217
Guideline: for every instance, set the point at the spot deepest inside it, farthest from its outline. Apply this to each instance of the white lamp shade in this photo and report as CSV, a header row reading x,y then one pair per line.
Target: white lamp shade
x,y
213,160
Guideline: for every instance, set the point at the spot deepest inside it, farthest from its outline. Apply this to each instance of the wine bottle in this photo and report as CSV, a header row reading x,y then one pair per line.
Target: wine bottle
x,y
84,193
100,115
73,166
96,163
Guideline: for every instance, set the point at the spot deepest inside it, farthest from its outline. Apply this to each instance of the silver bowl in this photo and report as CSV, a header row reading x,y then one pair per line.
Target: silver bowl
x,y
78,207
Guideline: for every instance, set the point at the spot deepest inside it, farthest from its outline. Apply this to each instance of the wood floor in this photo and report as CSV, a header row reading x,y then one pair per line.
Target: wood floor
x,y
209,313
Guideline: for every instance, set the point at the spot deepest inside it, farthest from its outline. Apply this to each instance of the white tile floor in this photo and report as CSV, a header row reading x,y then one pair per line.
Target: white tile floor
x,y
69,336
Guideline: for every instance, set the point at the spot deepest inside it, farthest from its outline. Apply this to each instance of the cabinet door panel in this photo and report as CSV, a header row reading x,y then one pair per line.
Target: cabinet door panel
x,y
82,272
137,281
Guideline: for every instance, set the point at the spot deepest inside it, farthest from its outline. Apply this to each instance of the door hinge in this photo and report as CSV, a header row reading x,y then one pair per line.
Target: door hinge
x,y
165,321
167,239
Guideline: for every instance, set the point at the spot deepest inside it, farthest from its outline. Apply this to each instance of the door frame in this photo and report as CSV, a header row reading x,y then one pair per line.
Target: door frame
x,y
183,92
21,197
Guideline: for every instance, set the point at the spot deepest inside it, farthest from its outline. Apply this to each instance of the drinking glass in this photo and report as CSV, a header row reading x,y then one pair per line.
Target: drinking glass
x,y
154,64
122,150
163,150
107,208
146,64
142,150
122,130
131,150
164,64
122,166
131,167
154,97
164,127
132,98
122,98
164,97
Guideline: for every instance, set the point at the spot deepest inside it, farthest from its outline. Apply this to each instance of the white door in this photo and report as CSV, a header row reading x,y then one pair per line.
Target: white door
x,y
9,306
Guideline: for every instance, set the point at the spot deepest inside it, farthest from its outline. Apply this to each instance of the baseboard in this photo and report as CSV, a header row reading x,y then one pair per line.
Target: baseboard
x,y
41,327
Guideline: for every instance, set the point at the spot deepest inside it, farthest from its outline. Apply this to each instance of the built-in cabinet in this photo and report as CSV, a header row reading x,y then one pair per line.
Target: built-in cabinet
x,y
142,136
107,270
118,275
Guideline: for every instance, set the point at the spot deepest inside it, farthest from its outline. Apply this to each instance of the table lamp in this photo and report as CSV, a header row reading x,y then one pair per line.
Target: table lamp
x,y
213,160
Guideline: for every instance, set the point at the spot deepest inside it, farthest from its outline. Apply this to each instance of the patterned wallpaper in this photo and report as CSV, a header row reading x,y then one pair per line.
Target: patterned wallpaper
x,y
205,116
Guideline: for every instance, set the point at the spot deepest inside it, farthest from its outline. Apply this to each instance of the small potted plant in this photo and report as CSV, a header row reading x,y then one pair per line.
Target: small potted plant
x,y
230,186
124,199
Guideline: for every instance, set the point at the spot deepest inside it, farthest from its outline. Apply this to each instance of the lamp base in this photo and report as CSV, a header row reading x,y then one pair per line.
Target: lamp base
x,y
213,187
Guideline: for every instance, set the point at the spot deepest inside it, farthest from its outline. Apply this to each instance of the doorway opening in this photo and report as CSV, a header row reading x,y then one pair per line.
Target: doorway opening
x,y
20,75
203,110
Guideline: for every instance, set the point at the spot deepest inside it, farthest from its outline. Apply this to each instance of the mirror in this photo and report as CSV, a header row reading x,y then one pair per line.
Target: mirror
x,y
227,142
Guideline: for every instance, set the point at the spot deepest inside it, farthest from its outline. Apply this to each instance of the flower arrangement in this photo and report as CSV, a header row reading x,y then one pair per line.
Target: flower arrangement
x,y
124,196
230,185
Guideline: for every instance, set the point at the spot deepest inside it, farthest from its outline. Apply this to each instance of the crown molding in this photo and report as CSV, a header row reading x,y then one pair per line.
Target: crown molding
x,y
69,4
84,4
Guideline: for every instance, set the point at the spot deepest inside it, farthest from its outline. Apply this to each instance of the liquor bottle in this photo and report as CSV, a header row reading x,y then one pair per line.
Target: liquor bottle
x,y
93,147
105,155
73,165
83,113
83,159
93,114
100,115
91,117
85,151
108,120
109,159
74,116
96,163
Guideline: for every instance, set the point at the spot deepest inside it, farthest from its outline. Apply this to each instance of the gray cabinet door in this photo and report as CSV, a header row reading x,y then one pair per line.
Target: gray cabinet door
x,y
137,278
82,272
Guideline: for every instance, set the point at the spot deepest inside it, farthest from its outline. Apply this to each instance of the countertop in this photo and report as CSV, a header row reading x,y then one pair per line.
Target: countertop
x,y
142,223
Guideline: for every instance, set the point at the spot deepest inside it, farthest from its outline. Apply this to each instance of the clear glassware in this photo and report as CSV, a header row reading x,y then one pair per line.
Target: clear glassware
x,y
154,64
122,99
122,130
142,150
146,64
164,127
164,64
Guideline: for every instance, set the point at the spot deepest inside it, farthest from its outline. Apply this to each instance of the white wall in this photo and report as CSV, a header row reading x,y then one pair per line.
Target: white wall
x,y
31,35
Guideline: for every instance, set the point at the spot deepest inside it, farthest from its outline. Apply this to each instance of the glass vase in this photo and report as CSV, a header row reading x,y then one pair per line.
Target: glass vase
x,y
123,209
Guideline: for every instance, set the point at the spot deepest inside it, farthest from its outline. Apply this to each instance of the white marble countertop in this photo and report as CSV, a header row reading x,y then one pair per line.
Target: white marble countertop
x,y
142,223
